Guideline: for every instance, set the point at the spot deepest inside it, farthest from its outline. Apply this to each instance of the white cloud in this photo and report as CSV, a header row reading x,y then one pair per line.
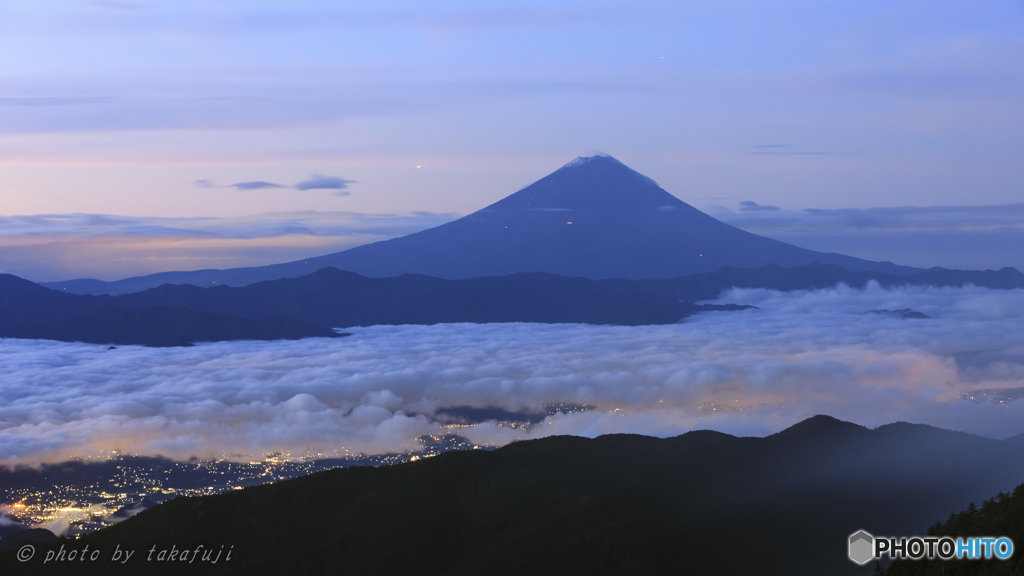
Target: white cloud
x,y
752,372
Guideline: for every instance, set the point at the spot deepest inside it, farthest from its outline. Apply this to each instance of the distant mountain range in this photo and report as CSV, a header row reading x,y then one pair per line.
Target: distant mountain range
x,y
330,298
333,298
700,503
28,310
336,299
592,218
176,315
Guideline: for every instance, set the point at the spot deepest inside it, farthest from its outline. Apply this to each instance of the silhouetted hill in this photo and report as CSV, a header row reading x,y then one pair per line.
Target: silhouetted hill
x,y
32,311
700,503
821,428
30,536
593,218
902,313
1018,439
333,298
9,525
1000,515
161,326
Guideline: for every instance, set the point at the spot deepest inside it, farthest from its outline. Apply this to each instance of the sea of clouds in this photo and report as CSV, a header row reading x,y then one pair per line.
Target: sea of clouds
x,y
753,372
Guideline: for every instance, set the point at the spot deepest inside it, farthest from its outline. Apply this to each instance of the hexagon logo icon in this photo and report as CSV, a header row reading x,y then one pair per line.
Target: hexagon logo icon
x,y
861,544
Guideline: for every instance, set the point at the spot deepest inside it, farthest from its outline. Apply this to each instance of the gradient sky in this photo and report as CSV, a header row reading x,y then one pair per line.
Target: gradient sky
x,y
172,111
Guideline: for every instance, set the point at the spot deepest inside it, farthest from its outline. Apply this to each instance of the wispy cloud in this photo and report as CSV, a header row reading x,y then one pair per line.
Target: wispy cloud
x,y
751,372
755,217
314,182
750,206
255,185
968,237
53,101
320,182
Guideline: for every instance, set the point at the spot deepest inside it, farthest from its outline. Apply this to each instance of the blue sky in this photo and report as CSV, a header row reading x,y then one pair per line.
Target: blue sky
x,y
121,108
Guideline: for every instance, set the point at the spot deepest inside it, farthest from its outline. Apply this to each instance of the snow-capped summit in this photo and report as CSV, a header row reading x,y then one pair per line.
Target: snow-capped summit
x,y
590,183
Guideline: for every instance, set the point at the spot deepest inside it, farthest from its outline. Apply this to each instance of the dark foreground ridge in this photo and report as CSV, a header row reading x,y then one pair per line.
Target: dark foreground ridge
x,y
998,516
700,503
592,218
16,540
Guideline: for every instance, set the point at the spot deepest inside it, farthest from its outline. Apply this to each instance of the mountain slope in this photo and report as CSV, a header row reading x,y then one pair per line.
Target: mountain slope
x,y
593,218
700,503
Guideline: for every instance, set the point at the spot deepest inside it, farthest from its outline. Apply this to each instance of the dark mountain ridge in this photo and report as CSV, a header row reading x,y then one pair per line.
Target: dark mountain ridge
x,y
334,298
703,503
31,311
1000,515
331,298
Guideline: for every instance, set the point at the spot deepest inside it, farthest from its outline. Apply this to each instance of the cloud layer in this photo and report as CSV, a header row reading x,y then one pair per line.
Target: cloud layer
x,y
968,237
752,372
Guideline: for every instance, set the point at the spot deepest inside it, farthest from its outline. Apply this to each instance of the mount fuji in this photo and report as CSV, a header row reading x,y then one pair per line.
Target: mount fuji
x,y
594,218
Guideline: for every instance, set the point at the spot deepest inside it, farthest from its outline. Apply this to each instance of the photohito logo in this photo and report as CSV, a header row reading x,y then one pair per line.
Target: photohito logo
x,y
864,547
861,547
